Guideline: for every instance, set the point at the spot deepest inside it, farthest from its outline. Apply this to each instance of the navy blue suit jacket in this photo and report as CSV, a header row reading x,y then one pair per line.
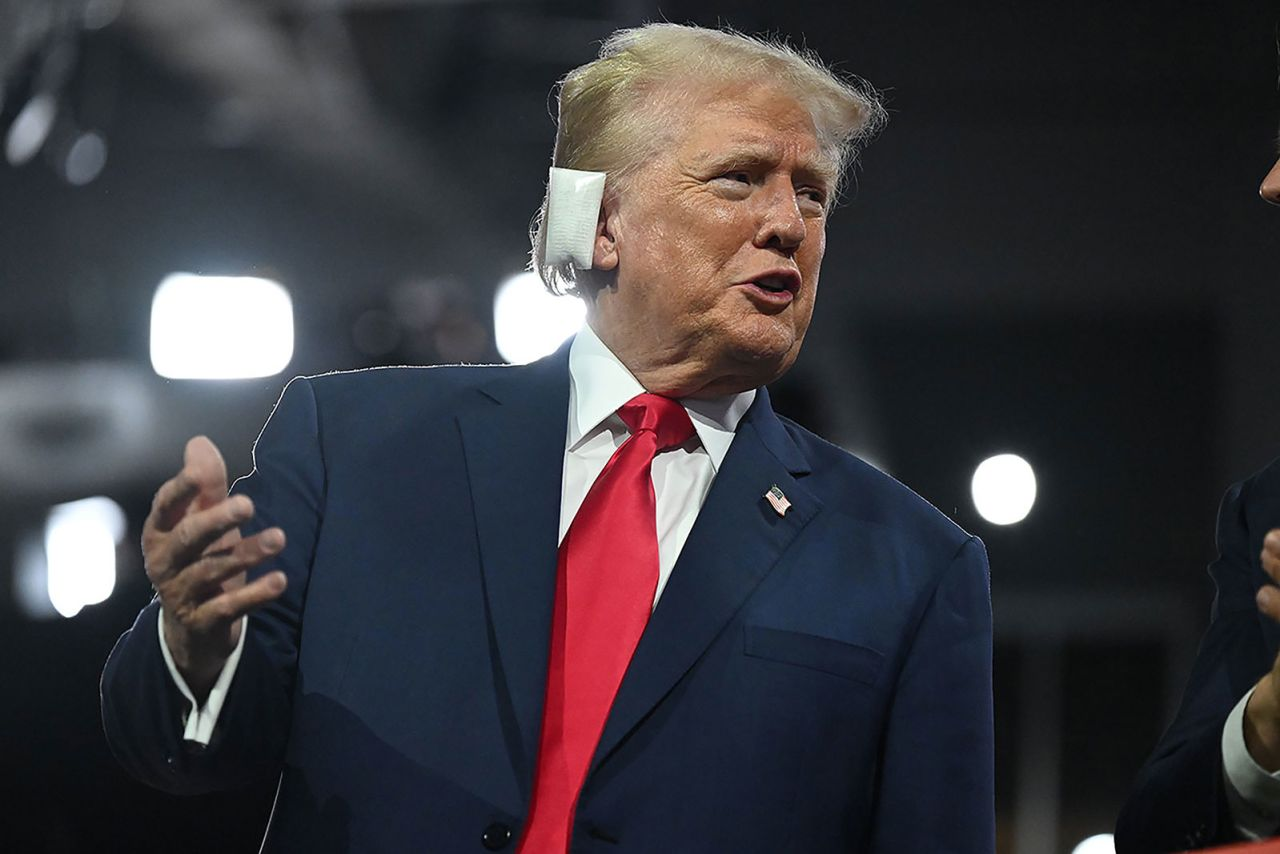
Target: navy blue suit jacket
x,y
1178,800
817,682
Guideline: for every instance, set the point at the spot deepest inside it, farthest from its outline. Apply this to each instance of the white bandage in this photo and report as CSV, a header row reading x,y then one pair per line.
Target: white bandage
x,y
573,209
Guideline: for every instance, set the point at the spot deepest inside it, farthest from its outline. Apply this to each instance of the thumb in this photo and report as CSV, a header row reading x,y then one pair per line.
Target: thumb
x,y
204,464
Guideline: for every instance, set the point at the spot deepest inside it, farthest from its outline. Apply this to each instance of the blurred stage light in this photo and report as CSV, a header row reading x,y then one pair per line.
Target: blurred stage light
x,y
529,322
1102,843
85,159
30,129
220,327
1004,489
75,565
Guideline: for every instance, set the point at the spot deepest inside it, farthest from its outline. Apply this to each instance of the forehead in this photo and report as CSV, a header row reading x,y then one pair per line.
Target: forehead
x,y
760,123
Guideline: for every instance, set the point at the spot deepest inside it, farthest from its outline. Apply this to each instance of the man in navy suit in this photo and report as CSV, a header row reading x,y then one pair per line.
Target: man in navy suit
x,y
371,614
1215,775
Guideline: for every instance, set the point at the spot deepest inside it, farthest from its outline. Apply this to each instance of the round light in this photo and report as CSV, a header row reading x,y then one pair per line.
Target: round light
x,y
30,129
85,159
1102,843
1004,489
530,322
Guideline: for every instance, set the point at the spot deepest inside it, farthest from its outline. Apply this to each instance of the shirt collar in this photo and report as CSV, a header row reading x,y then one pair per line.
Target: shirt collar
x,y
599,384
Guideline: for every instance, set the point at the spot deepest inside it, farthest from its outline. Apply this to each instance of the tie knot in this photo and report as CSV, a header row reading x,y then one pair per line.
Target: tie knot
x,y
662,416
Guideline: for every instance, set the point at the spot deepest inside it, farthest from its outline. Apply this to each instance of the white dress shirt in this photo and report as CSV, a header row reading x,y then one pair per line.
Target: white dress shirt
x,y
598,385
1253,794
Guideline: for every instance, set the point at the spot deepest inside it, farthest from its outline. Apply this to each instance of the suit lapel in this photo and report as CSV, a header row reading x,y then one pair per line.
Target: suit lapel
x,y
513,440
736,540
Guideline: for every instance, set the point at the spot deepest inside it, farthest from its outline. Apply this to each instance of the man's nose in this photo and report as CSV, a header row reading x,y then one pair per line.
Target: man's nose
x,y
1270,189
782,225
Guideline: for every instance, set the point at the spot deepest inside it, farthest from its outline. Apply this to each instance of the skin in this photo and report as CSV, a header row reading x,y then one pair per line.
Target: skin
x,y
741,189
1270,189
1262,714
197,560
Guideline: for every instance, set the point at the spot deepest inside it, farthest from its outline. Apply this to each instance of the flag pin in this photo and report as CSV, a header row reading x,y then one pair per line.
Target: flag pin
x,y
779,501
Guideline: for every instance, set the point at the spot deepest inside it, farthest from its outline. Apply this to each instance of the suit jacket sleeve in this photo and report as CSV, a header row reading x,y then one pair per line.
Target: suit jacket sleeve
x,y
143,710
937,772
1178,801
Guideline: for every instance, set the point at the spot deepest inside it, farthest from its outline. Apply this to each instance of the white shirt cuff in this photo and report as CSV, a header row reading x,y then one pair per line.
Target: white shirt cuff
x,y
198,722
1253,794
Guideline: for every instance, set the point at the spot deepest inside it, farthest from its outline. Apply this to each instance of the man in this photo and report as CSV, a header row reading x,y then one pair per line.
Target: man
x,y
747,640
1215,775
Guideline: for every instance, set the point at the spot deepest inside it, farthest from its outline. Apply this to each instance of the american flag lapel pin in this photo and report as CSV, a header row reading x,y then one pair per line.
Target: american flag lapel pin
x,y
779,501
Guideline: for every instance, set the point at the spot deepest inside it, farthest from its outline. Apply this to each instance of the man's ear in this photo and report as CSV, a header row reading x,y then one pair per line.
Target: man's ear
x,y
604,253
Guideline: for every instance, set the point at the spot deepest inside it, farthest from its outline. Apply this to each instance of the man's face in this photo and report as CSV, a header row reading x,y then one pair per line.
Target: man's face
x,y
717,242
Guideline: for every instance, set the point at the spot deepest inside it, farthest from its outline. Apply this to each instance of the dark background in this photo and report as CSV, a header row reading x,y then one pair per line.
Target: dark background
x,y
1054,248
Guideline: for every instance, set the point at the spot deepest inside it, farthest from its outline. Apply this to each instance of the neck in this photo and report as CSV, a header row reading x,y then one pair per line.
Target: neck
x,y
676,373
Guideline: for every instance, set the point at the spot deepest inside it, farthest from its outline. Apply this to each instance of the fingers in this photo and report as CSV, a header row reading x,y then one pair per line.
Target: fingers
x,y
234,604
202,459
209,573
171,502
199,531
1271,554
1268,597
203,476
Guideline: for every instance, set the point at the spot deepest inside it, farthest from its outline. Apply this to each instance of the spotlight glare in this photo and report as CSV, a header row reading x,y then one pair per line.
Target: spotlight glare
x,y
85,159
529,322
30,129
80,540
220,327
1004,489
1102,843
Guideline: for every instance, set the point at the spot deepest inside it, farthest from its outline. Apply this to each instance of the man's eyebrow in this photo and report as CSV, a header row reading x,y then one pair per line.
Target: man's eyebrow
x,y
754,154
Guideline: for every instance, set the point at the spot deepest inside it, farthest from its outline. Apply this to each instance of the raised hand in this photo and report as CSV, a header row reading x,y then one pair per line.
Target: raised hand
x,y
197,562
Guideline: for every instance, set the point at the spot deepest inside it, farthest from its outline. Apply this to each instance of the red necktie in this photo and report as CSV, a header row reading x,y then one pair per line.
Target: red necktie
x,y
605,582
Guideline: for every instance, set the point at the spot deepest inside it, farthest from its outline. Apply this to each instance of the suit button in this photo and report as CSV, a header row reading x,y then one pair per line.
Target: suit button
x,y
496,836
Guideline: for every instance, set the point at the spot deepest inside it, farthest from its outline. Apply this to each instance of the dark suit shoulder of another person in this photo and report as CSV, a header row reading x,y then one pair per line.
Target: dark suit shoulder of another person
x,y
1178,800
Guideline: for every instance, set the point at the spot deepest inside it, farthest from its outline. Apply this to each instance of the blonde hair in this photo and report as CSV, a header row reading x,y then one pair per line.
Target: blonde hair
x,y
607,124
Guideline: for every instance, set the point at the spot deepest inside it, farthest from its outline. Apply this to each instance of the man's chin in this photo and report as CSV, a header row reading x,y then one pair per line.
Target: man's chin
x,y
764,364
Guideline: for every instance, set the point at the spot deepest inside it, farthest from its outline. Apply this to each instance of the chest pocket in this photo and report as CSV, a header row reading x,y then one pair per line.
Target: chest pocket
x,y
849,661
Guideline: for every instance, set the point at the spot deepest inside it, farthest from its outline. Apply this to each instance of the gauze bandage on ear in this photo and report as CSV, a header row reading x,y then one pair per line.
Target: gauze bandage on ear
x,y
573,209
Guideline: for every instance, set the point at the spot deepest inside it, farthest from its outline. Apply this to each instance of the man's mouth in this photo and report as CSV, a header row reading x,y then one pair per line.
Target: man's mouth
x,y
772,285
775,286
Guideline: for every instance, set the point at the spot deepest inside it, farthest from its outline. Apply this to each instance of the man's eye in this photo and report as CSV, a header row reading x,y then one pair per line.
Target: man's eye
x,y
813,195
737,177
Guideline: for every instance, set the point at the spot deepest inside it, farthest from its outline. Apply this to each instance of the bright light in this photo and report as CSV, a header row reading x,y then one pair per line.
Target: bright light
x,y
85,159
1004,489
220,327
30,129
529,322
80,542
1103,843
